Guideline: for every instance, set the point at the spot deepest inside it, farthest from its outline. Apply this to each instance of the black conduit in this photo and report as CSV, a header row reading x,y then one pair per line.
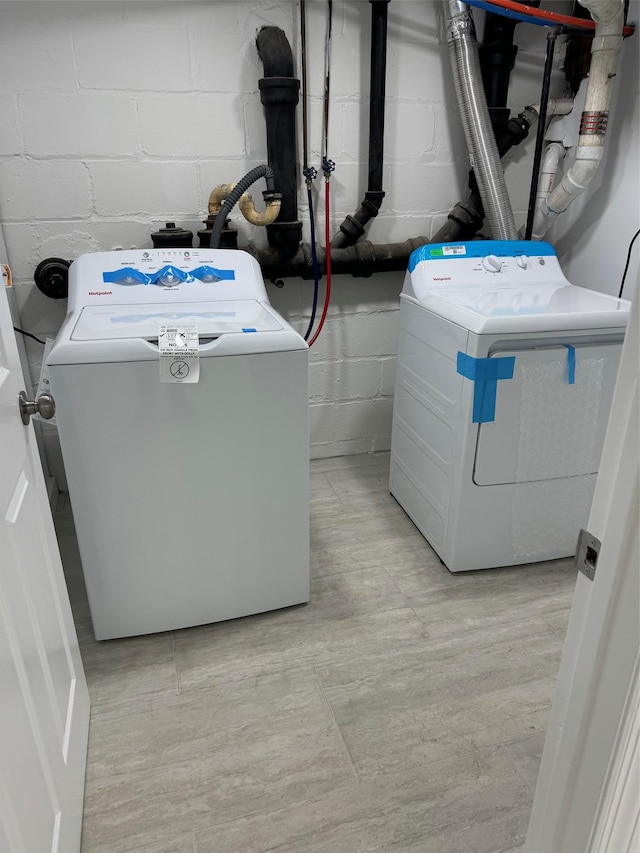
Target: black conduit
x,y
279,92
542,121
352,228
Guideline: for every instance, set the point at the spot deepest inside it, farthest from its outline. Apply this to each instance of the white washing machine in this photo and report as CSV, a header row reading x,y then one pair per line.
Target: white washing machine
x,y
505,376
190,498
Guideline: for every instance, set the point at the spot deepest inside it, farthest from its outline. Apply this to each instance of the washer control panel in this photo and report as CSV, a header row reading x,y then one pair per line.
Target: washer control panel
x,y
139,276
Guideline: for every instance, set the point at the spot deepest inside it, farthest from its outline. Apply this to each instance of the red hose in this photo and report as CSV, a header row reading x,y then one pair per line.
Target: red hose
x,y
556,17
327,239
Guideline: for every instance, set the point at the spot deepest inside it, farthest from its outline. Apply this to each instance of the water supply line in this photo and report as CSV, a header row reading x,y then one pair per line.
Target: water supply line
x,y
530,14
481,144
609,21
309,172
328,167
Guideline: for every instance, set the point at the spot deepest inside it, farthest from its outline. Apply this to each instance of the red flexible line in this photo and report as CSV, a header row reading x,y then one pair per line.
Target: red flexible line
x,y
327,239
569,20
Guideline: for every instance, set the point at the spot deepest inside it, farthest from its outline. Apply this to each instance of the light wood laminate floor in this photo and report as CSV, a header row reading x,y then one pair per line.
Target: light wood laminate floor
x,y
404,709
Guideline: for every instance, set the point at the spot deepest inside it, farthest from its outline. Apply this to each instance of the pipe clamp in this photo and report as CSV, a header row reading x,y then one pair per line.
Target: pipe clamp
x,y
594,123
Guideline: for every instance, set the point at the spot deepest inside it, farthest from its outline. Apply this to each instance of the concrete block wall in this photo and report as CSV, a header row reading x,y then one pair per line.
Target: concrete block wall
x,y
119,116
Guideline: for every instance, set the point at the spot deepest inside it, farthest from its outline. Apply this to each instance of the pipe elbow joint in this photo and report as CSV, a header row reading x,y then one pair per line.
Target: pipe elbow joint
x,y
217,196
265,217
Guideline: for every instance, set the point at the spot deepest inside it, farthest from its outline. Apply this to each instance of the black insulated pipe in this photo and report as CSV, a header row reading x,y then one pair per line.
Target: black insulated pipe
x,y
279,93
497,59
352,228
360,260
497,55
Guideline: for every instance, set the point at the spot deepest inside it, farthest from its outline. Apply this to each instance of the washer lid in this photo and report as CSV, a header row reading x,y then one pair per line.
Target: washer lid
x,y
115,322
490,308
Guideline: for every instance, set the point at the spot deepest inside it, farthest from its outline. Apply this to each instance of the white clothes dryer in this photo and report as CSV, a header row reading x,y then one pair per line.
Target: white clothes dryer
x,y
190,498
505,376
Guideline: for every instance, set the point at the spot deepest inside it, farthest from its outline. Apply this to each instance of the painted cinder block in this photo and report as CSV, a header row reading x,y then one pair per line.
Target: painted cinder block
x,y
36,49
84,124
128,187
344,379
191,125
44,189
359,418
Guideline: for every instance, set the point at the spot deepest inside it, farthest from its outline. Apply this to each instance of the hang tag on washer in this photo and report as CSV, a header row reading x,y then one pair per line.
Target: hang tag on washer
x,y
179,353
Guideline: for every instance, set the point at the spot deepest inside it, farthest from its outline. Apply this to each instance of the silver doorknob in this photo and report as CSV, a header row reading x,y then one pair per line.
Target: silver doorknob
x,y
45,406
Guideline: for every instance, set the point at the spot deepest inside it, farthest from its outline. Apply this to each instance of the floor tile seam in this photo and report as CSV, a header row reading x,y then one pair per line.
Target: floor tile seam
x,y
144,847
104,707
493,624
474,729
561,634
475,751
153,770
335,723
508,583
433,717
352,460
99,713
261,813
327,482
420,644
517,763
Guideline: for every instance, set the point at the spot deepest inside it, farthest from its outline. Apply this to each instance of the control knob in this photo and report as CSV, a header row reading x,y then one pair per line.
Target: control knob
x,y
491,263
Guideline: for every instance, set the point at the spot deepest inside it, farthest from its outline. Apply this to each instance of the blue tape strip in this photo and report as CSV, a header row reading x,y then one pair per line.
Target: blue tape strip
x,y
571,364
485,374
249,330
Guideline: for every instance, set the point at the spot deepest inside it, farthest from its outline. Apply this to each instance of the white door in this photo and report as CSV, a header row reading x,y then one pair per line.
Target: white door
x,y
587,798
44,704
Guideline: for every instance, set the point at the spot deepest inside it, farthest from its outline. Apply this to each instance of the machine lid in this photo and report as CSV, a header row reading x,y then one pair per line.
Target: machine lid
x,y
490,308
116,322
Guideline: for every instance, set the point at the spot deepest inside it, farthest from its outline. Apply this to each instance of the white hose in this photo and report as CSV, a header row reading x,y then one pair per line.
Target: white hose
x,y
609,18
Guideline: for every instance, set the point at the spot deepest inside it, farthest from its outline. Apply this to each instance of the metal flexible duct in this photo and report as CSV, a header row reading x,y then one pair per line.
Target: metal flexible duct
x,y
481,144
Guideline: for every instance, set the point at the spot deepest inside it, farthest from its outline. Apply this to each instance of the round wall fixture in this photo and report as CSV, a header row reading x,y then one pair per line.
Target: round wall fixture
x,y
52,277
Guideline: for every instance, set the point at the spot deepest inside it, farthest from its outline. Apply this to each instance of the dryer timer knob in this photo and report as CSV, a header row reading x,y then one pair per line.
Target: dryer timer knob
x,y
491,263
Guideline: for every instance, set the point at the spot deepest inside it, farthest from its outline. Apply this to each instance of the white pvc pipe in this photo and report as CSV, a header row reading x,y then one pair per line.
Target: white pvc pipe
x,y
609,18
553,155
555,106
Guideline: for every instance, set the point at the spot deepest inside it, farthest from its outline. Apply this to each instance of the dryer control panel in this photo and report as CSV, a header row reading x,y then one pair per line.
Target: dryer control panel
x,y
496,263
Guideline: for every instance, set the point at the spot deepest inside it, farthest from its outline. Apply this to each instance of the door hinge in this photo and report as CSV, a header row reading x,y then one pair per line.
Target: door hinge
x,y
587,553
